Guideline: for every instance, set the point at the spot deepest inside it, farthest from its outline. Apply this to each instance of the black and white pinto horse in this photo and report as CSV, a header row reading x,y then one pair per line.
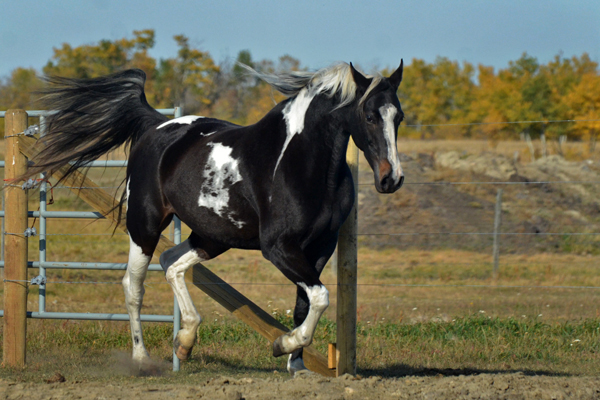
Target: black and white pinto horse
x,y
281,185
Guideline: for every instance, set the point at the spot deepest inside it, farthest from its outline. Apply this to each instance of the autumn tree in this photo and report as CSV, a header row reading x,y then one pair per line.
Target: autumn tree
x,y
584,106
438,93
105,57
185,79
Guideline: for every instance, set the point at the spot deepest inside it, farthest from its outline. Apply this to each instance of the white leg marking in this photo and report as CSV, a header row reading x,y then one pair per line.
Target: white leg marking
x,y
133,285
294,113
388,113
190,319
302,336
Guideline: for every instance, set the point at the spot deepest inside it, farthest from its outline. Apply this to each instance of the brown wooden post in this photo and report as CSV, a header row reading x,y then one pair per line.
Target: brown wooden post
x,y
347,279
15,264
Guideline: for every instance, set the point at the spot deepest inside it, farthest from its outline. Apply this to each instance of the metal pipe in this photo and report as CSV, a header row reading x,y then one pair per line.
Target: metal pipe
x,y
42,233
95,316
39,113
177,240
83,265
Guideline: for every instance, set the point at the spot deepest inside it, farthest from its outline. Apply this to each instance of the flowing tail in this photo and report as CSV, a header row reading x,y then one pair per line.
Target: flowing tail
x,y
93,116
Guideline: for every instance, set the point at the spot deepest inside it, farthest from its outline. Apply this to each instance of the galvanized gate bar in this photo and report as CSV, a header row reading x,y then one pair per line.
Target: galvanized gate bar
x,y
42,265
83,265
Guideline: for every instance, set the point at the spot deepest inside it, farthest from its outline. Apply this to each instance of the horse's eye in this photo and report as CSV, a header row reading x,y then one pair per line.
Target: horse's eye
x,y
370,119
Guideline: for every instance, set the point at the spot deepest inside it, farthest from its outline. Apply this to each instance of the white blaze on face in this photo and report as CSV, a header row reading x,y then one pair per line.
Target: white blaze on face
x,y
388,113
220,173
187,120
293,114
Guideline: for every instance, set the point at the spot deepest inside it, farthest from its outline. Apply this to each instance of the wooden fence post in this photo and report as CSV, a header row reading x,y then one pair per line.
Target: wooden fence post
x,y
15,266
347,279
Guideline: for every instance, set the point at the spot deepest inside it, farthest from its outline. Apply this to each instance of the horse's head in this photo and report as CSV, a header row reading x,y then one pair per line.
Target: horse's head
x,y
379,115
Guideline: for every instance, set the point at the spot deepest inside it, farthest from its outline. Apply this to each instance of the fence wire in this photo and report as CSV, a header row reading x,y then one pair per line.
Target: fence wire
x,y
391,285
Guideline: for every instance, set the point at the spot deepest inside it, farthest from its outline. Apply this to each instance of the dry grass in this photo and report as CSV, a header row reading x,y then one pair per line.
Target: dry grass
x,y
572,151
413,304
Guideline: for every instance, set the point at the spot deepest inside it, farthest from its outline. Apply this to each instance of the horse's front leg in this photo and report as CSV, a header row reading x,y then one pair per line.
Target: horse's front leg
x,y
302,336
292,262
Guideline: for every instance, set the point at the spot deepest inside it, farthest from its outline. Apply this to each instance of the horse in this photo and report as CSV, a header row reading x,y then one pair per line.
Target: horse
x,y
281,185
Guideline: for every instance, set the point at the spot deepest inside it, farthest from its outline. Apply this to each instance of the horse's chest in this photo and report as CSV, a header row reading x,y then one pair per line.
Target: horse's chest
x,y
332,211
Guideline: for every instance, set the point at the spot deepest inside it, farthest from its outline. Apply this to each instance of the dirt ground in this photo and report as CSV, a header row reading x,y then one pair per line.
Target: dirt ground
x,y
308,385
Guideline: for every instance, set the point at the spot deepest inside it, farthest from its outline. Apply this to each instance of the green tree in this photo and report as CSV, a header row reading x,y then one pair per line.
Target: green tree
x,y
186,79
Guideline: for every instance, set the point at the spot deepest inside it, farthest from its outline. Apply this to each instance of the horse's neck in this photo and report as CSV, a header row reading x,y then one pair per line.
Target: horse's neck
x,y
323,128
326,128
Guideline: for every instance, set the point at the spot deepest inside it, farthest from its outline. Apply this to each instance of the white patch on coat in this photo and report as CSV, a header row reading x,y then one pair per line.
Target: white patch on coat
x,y
221,171
187,120
388,113
127,195
294,114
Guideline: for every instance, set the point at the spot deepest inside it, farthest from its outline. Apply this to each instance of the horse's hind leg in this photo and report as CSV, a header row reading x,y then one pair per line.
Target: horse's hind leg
x,y
133,286
144,224
176,261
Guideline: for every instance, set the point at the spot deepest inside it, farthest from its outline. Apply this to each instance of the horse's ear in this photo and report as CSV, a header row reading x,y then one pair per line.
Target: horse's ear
x,y
361,81
396,77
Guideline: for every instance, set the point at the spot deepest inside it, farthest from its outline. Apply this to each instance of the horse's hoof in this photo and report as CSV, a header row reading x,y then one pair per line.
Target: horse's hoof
x,y
277,350
180,351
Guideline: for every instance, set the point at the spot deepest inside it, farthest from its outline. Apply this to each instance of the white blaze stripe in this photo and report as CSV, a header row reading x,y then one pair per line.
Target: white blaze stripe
x,y
294,113
187,120
388,113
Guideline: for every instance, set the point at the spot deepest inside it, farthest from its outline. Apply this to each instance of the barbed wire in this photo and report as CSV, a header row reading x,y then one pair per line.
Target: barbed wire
x,y
493,183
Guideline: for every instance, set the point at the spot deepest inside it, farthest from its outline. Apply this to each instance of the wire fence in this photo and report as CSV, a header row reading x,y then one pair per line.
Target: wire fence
x,y
442,233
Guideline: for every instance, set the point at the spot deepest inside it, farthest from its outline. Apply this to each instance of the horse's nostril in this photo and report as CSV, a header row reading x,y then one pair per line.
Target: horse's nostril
x,y
401,181
385,181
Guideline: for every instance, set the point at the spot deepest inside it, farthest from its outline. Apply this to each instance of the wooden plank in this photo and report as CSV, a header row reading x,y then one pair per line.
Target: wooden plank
x,y
332,356
15,264
203,278
347,280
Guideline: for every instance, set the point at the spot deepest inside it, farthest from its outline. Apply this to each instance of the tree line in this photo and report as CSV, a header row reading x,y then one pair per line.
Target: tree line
x,y
443,99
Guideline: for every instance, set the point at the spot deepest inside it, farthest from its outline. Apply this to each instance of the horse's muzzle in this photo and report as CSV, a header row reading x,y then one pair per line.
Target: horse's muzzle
x,y
389,185
386,179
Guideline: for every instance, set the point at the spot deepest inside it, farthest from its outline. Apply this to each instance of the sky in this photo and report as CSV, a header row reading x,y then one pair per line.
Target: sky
x,y
372,34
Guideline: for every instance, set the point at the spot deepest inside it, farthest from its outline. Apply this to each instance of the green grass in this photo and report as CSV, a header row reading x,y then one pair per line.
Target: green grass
x,y
471,344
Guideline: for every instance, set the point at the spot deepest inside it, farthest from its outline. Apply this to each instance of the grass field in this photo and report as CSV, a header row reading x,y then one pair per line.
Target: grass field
x,y
420,311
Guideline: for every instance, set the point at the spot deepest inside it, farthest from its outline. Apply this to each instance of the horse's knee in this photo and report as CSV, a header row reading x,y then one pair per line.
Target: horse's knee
x,y
174,255
318,297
